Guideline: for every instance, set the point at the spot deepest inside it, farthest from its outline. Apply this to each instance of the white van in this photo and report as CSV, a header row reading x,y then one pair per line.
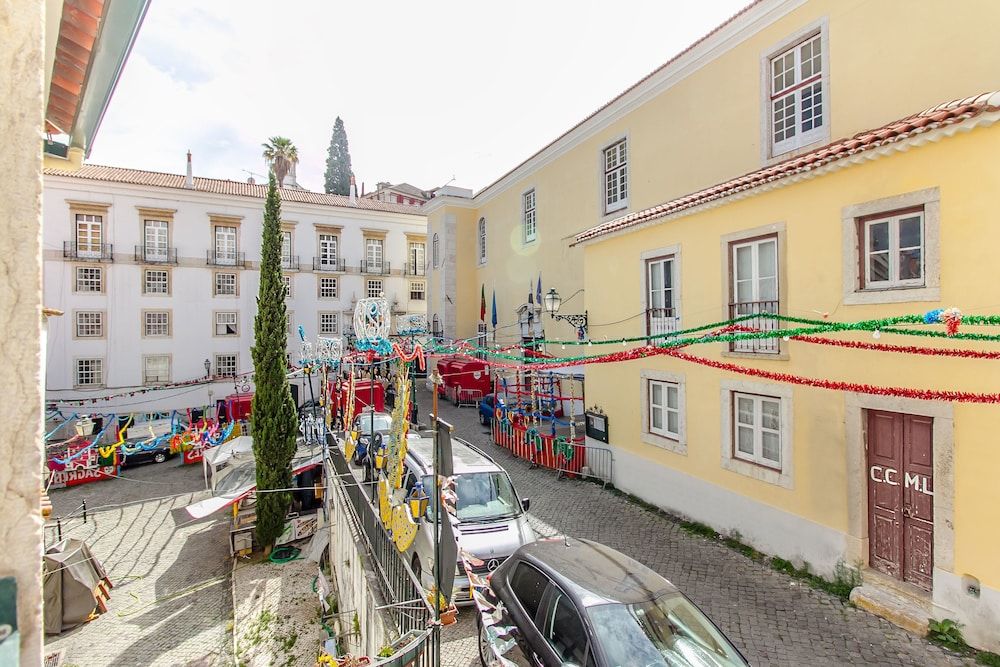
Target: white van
x,y
492,522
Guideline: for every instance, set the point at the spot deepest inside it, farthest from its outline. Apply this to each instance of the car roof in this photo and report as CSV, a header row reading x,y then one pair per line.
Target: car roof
x,y
466,458
593,573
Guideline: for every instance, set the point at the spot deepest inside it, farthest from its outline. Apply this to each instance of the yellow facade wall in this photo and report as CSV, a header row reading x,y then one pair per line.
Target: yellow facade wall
x,y
811,264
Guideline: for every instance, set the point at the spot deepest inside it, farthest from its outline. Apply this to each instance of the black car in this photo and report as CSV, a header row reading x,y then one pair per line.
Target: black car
x,y
578,602
133,453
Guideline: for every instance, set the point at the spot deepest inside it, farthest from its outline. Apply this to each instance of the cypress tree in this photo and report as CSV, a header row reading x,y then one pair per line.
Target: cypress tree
x,y
275,424
338,162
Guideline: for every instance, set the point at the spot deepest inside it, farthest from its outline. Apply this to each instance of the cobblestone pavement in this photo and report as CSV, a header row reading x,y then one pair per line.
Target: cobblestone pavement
x,y
171,604
772,618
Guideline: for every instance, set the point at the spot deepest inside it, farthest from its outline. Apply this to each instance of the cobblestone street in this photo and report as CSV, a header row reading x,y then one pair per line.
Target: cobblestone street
x,y
171,604
772,618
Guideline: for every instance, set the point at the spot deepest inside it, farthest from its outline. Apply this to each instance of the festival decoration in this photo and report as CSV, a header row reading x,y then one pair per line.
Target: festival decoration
x,y
404,528
372,321
414,324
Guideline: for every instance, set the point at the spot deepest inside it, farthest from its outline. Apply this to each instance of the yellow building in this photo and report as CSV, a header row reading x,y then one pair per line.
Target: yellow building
x,y
706,191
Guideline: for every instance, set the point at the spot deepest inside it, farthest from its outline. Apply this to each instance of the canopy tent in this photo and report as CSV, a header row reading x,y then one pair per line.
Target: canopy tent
x,y
71,586
228,453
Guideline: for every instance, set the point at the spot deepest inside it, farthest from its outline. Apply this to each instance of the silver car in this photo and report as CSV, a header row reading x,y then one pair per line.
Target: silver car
x,y
492,522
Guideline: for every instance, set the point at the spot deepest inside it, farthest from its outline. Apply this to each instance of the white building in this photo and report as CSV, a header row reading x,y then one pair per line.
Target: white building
x,y
157,274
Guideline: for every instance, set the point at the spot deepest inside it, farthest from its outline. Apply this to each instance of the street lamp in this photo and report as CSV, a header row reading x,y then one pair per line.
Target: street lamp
x,y
208,368
552,303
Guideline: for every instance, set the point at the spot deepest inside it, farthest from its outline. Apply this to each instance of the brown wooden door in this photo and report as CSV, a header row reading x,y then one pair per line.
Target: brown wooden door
x,y
901,496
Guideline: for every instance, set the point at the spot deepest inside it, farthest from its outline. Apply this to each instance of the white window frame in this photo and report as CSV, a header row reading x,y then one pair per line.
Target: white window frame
x,y
481,240
227,318
95,325
781,474
893,222
286,279
772,151
83,284
216,286
763,345
235,365
417,263
286,248
436,250
663,409
332,291
672,441
529,216
325,319
156,239
374,254
756,428
615,181
226,236
665,323
90,228
96,371
329,249
372,282
150,328
422,290
146,283
146,359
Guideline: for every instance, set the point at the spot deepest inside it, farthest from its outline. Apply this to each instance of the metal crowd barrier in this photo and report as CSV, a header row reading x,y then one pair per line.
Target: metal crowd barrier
x,y
579,460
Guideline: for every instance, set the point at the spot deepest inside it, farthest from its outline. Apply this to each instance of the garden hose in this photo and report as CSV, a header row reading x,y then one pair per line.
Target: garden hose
x,y
284,554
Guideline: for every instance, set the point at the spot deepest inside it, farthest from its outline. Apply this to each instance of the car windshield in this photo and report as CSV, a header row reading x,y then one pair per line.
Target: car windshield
x,y
482,496
382,423
666,632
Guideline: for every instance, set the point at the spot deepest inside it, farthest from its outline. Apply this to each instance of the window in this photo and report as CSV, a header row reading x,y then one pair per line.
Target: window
x,y
286,248
156,281
418,290
156,369
757,434
529,222
290,324
328,324
225,284
664,409
796,96
528,585
616,176
225,245
89,279
226,324
328,288
328,251
893,251
89,372
416,259
225,365
482,240
399,199
156,324
90,324
661,316
89,235
564,631
287,281
373,255
155,240
754,267
436,251
374,288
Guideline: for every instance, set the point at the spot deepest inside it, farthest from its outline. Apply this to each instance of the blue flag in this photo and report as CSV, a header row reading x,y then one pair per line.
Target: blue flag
x,y
538,294
494,319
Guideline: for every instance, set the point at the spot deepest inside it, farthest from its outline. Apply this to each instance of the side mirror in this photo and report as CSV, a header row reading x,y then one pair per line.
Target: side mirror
x,y
525,503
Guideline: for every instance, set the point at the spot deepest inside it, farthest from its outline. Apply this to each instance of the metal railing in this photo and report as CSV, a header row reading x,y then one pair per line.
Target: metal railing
x,y
570,458
660,321
758,345
329,264
151,255
95,252
290,262
414,269
215,258
375,268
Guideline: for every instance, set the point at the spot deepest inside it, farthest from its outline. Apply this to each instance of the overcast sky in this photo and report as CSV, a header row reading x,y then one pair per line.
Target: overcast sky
x,y
427,90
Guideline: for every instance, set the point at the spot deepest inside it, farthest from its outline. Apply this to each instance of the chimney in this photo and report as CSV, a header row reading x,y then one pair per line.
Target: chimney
x,y
354,190
362,188
189,181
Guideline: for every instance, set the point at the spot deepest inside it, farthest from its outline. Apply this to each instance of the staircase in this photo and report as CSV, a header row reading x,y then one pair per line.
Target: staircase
x,y
896,601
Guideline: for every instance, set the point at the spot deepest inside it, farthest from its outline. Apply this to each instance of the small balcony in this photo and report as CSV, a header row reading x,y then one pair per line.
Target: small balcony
x,y
329,264
150,255
90,252
290,262
660,321
375,268
226,258
412,268
754,312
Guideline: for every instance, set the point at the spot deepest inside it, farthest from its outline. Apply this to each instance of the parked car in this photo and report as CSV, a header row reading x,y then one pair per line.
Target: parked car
x,y
582,603
487,409
491,520
133,454
369,425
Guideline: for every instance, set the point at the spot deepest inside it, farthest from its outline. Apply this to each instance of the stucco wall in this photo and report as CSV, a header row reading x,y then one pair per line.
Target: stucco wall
x,y
21,64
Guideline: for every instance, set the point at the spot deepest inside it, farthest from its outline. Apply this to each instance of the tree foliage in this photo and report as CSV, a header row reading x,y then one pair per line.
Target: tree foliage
x,y
275,424
281,154
338,162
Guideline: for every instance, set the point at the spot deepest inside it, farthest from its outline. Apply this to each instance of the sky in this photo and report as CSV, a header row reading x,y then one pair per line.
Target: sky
x,y
431,92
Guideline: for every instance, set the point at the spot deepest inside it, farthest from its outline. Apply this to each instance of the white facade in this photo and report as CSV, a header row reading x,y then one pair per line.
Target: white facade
x,y
117,228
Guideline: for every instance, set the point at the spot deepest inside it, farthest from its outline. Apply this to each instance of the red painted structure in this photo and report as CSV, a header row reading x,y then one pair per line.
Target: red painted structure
x,y
542,452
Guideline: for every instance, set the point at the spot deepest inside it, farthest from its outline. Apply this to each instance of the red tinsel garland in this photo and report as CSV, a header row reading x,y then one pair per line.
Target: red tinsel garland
x,y
906,349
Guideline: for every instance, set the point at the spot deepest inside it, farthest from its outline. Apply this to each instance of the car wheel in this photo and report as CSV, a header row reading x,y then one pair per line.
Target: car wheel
x,y
159,457
482,418
486,655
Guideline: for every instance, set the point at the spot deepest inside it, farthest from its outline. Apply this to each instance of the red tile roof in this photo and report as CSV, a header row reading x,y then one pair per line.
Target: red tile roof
x,y
95,172
940,116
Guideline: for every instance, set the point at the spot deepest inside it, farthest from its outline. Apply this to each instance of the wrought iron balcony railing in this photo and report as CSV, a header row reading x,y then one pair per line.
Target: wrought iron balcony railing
x,y
376,268
154,255
94,252
329,264
755,308
226,258
660,321
290,262
413,269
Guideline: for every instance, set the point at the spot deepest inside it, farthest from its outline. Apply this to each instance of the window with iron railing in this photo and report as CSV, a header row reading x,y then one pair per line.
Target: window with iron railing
x,y
754,292
661,314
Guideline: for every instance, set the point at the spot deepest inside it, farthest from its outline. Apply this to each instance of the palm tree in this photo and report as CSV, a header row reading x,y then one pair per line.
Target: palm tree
x,y
281,154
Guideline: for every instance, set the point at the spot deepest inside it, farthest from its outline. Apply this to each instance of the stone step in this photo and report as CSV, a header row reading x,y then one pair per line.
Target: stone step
x,y
897,602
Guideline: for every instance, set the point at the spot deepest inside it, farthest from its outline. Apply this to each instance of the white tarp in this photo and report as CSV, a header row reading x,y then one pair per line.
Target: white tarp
x,y
239,447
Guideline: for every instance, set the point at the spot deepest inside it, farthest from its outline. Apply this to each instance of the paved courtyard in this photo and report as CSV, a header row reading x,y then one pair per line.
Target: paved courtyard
x,y
171,604
772,618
